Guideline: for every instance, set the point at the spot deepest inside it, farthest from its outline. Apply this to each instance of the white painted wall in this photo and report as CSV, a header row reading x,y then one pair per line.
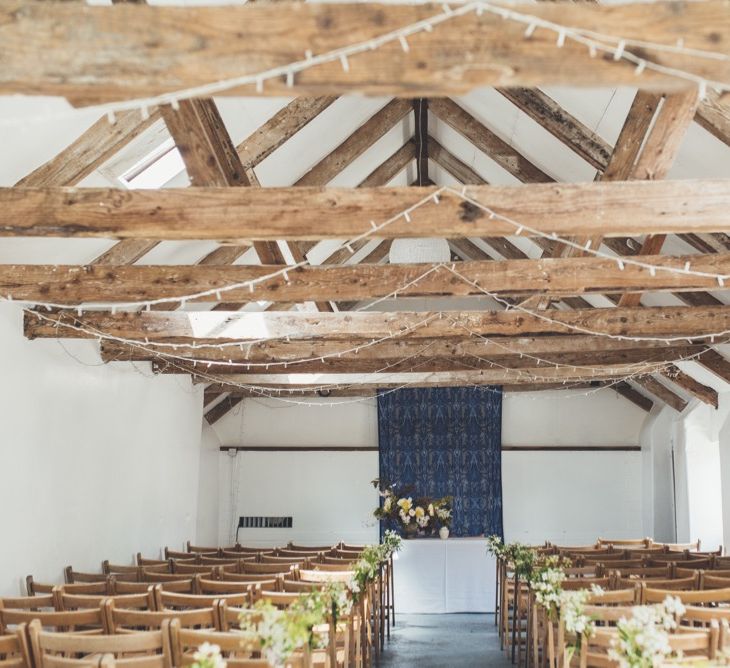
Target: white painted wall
x,y
540,489
98,461
570,497
328,495
570,418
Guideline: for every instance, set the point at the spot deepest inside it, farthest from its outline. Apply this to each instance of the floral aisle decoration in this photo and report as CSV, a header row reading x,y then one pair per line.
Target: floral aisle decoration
x,y
545,575
412,516
208,656
305,624
643,638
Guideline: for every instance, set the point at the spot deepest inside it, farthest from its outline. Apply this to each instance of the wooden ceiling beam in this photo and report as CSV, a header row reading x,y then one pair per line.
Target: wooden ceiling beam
x,y
506,156
367,325
713,114
704,393
558,122
281,127
543,347
661,392
636,398
370,391
416,379
356,144
658,155
221,408
617,209
715,362
556,277
423,362
89,151
164,49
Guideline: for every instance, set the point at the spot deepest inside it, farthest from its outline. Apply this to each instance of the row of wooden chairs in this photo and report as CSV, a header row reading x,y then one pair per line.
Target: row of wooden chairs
x,y
30,646
115,616
202,588
633,565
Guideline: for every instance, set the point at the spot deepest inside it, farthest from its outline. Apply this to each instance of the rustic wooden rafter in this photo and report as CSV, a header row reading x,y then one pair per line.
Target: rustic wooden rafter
x,y
163,49
658,322
556,277
616,209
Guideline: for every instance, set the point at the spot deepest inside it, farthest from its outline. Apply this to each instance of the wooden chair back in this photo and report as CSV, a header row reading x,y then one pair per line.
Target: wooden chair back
x,y
87,621
203,550
236,653
701,597
120,620
180,586
265,569
708,580
14,649
226,587
143,601
144,649
171,601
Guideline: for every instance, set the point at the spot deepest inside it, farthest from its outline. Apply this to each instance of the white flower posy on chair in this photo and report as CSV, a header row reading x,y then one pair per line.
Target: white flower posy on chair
x,y
643,639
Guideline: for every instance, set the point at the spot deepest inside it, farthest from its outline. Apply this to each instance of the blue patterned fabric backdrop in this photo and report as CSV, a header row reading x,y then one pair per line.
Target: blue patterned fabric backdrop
x,y
447,441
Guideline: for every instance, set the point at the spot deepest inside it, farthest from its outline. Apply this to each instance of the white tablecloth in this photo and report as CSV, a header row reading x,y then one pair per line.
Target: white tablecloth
x,y
437,576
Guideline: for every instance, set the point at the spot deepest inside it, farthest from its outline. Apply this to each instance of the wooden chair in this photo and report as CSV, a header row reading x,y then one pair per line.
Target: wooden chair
x,y
674,585
283,561
325,575
180,586
246,551
88,621
647,572
14,649
179,568
144,561
171,601
38,588
265,569
708,580
202,550
47,602
144,649
120,620
161,578
187,556
322,548
244,577
185,642
226,587
698,645
303,554
143,601
703,597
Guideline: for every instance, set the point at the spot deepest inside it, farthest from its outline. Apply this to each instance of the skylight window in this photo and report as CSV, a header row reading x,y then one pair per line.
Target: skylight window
x,y
156,169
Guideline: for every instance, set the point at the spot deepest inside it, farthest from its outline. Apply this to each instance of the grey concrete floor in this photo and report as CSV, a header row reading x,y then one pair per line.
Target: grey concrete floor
x,y
444,641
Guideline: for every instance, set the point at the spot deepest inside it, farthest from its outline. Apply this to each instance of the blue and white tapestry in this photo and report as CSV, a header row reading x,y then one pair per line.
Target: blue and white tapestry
x,y
446,441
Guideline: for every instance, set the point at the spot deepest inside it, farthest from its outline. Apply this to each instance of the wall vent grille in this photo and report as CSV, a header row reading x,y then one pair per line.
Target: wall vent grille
x,y
262,522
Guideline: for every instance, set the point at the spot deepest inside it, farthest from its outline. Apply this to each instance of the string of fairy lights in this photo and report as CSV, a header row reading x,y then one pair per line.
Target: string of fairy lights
x,y
621,49
374,230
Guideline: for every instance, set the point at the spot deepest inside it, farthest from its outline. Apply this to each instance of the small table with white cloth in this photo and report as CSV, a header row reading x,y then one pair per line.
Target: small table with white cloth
x,y
438,576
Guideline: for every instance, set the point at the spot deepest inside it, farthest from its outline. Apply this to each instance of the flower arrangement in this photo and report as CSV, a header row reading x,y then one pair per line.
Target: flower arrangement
x,y
643,639
282,632
411,516
208,656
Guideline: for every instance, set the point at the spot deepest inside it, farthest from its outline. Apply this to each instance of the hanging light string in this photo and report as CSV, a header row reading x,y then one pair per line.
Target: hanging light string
x,y
509,306
434,198
618,47
632,370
